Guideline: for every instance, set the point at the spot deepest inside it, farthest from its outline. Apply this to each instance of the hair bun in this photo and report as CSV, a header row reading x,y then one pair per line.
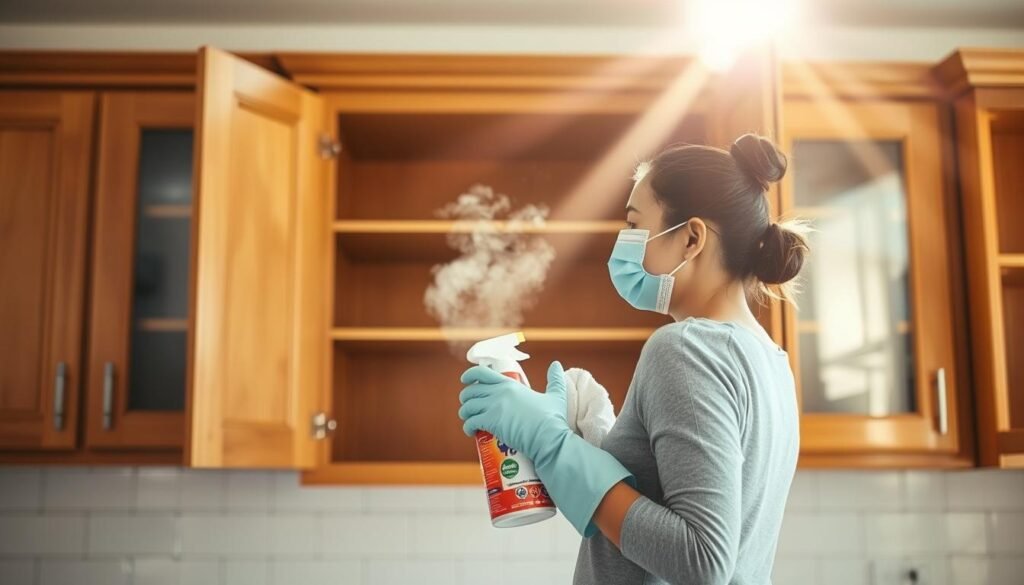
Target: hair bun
x,y
759,160
781,255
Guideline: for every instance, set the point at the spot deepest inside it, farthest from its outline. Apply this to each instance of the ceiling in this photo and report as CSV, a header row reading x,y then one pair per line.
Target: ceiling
x,y
904,13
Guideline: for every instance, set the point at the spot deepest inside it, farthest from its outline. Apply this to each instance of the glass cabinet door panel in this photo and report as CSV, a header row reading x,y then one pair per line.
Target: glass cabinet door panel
x,y
161,271
854,323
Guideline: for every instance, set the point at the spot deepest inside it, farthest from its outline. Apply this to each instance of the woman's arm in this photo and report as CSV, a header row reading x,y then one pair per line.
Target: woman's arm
x,y
612,511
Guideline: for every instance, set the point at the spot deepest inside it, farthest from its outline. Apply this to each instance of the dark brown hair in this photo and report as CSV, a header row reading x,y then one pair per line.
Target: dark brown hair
x,y
729,189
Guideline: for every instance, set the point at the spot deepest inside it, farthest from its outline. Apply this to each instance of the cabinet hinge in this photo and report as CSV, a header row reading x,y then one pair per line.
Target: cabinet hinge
x,y
322,425
328,148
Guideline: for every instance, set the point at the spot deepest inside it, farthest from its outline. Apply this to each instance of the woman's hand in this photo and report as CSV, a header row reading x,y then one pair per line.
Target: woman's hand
x,y
529,421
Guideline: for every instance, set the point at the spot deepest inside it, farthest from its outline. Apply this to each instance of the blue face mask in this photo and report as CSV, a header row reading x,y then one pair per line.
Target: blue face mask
x,y
639,288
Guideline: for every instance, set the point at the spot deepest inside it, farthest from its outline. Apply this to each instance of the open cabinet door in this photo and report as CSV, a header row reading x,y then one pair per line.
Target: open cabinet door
x,y
259,341
748,98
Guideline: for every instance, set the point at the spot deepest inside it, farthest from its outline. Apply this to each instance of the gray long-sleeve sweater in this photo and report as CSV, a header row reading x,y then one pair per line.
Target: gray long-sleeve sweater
x,y
710,429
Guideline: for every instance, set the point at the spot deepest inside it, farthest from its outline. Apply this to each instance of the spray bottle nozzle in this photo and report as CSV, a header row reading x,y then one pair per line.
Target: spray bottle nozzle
x,y
500,348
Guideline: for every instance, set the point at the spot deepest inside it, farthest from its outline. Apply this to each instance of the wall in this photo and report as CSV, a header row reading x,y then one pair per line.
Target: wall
x,y
148,526
819,43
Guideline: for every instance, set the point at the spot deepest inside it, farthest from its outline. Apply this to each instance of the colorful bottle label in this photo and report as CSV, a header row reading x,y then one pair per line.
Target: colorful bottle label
x,y
511,481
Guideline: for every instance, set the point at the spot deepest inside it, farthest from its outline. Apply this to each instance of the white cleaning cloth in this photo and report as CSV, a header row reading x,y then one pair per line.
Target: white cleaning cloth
x,y
591,414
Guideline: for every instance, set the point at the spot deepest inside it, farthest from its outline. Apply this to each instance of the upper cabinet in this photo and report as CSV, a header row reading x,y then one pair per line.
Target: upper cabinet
x,y
260,329
248,289
874,343
207,316
45,141
411,135
141,274
988,92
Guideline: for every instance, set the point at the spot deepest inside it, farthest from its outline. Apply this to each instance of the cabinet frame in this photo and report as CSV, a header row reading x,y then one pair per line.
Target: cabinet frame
x,y
906,439
69,116
124,116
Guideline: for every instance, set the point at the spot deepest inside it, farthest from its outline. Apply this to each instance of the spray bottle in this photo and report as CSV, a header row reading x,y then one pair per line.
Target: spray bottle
x,y
515,494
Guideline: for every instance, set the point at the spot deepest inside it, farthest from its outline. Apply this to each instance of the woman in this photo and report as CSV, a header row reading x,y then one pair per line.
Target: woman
x,y
690,483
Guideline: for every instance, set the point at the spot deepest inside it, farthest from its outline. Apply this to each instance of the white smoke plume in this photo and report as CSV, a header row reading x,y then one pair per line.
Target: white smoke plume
x,y
498,273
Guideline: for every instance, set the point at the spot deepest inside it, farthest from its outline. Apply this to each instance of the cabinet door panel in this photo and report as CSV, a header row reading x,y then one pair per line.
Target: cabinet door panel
x,y
261,326
44,166
141,278
873,340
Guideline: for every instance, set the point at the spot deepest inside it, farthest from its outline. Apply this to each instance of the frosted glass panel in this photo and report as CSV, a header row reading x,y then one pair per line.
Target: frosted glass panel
x,y
855,332
162,234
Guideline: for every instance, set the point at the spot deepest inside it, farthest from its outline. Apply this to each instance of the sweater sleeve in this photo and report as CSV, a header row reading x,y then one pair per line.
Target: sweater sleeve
x,y
691,405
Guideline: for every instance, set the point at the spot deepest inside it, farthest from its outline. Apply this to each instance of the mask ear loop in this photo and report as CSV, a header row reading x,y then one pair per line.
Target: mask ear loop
x,y
676,269
658,235
681,264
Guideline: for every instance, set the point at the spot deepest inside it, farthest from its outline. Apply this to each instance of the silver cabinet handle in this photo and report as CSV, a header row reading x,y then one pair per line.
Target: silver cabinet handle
x,y
108,395
940,387
58,395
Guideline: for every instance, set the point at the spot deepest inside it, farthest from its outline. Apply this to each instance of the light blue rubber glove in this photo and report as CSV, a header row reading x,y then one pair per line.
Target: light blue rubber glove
x,y
576,474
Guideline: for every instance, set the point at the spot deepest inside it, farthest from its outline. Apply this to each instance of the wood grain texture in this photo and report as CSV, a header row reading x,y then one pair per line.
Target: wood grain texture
x,y
44,184
916,125
260,323
124,116
134,70
989,151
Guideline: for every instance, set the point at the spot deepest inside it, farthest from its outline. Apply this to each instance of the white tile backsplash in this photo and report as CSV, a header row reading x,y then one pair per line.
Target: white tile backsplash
x,y
144,534
161,525
247,572
223,535
289,495
85,572
860,490
924,490
29,535
17,571
832,533
313,572
21,489
904,533
391,572
966,533
249,490
1006,533
157,488
89,489
987,489
364,535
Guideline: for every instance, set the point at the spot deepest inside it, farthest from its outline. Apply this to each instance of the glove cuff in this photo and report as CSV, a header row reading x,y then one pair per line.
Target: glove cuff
x,y
577,477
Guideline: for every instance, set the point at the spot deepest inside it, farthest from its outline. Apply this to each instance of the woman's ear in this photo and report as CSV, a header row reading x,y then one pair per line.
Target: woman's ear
x,y
696,233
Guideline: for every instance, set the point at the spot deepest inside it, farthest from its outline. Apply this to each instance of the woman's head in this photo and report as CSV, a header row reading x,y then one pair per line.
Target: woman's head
x,y
728,234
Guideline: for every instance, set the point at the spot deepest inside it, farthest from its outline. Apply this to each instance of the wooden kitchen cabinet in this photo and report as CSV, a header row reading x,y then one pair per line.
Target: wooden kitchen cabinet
x,y
988,89
45,142
141,276
874,343
260,324
412,134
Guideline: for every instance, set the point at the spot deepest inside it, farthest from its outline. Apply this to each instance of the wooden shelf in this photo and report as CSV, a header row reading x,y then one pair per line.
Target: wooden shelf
x,y
162,324
177,211
440,226
378,337
1011,260
426,240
